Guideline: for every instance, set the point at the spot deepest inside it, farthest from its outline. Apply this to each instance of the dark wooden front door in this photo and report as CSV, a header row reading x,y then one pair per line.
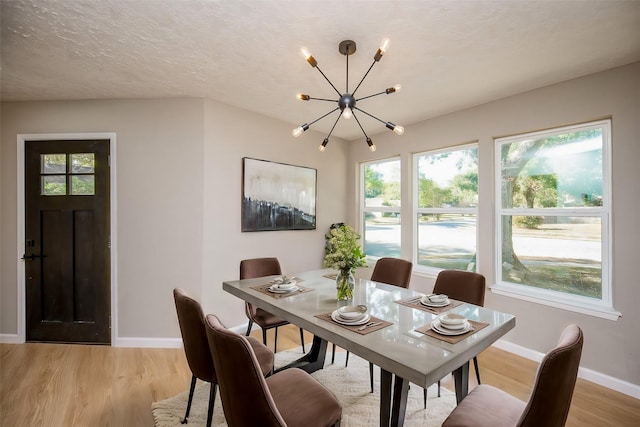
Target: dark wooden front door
x,y
67,254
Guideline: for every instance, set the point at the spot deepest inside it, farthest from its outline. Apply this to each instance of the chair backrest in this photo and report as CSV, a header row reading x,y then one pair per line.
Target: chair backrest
x,y
393,271
462,285
258,267
194,336
246,399
556,378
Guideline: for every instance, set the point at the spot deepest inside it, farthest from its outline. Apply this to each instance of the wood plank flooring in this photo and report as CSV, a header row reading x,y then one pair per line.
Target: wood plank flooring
x,y
76,385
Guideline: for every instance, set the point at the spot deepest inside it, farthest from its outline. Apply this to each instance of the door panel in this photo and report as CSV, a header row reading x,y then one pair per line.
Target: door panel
x,y
67,241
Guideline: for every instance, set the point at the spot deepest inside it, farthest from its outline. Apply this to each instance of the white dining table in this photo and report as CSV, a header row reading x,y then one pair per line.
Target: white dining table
x,y
403,354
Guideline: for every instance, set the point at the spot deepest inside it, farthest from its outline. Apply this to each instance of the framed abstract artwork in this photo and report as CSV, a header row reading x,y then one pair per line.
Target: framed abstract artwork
x,y
277,196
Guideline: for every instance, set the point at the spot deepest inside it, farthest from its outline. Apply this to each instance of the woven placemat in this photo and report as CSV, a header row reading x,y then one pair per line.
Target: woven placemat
x,y
452,339
381,324
414,302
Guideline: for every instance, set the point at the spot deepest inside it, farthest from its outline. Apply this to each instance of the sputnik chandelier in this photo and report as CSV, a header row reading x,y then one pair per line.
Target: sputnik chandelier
x,y
347,101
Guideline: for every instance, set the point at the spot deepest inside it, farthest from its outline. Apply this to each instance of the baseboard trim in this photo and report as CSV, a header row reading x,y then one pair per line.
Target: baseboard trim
x,y
10,339
599,378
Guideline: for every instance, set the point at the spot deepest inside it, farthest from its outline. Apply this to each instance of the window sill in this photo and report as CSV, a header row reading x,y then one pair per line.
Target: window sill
x,y
553,300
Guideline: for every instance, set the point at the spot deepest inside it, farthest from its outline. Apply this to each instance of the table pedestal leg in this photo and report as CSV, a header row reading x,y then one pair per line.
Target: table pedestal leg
x,y
400,391
312,361
461,379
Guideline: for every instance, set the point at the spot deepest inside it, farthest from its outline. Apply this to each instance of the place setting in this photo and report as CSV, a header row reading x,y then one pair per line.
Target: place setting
x,y
282,287
433,303
355,318
451,327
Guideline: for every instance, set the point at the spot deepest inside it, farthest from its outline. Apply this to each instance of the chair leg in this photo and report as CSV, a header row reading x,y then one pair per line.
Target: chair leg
x,y
475,365
302,339
191,390
333,352
275,342
264,336
249,327
346,362
424,397
212,400
438,388
371,375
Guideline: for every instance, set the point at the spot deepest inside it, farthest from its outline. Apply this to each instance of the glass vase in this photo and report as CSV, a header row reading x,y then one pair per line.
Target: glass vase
x,y
345,282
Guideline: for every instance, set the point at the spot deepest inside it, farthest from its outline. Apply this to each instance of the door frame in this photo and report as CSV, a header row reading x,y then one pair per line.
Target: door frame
x,y
22,139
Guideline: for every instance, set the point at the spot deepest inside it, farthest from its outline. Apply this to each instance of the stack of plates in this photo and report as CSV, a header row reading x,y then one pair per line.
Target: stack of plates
x,y
435,300
351,315
451,324
283,288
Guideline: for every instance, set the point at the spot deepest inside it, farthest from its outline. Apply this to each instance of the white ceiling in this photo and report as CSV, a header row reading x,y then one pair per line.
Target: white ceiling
x,y
448,55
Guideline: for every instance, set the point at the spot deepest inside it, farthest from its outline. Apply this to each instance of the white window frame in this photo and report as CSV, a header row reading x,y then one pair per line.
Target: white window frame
x,y
383,209
602,308
429,270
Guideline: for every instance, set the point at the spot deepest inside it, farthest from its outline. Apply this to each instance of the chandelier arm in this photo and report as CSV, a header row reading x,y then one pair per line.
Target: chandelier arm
x,y
329,81
334,125
363,77
370,115
323,116
371,96
358,121
322,99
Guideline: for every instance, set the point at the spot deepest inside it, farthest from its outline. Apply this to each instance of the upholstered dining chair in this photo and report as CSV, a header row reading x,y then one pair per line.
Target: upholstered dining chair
x,y
550,399
290,397
392,271
260,267
464,286
198,353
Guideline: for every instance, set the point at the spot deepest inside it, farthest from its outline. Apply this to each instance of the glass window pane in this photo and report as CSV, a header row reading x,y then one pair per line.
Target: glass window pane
x,y
53,185
382,184
82,163
381,235
448,179
553,252
82,185
53,163
562,170
447,241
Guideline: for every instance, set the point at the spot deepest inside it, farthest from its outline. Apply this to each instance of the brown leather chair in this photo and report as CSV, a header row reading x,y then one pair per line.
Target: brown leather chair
x,y
288,398
196,348
464,286
260,267
392,271
550,399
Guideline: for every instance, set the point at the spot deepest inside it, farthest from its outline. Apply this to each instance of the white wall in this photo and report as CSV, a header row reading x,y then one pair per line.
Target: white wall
x,y
611,347
179,169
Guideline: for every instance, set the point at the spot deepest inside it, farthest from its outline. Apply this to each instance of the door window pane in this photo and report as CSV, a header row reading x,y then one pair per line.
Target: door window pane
x,y
53,163
82,163
53,185
82,185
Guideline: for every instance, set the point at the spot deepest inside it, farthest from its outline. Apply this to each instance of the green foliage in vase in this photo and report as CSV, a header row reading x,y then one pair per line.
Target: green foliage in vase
x,y
342,250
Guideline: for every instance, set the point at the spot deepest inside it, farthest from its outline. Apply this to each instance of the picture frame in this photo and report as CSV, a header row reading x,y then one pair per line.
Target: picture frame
x,y
277,196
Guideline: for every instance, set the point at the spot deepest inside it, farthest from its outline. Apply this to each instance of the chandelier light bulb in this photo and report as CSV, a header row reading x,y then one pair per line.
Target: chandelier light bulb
x,y
384,45
323,146
347,113
397,88
398,130
303,97
305,53
371,145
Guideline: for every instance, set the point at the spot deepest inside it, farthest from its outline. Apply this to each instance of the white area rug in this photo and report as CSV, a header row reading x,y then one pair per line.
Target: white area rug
x,y
360,407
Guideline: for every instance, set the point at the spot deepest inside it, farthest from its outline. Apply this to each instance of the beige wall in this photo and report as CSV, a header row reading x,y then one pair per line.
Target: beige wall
x,y
611,347
178,171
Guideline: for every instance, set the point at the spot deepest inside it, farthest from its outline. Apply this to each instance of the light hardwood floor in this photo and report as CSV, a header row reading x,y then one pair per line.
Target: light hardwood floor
x,y
75,385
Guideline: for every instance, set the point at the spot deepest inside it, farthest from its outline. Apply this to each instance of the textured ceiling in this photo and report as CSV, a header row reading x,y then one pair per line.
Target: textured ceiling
x,y
448,55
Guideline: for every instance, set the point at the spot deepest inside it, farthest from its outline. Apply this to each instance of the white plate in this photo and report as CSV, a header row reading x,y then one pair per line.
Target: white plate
x,y
276,290
425,301
336,318
435,325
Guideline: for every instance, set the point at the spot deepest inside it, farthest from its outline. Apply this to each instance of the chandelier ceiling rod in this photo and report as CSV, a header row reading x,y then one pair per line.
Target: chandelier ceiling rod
x,y
347,101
